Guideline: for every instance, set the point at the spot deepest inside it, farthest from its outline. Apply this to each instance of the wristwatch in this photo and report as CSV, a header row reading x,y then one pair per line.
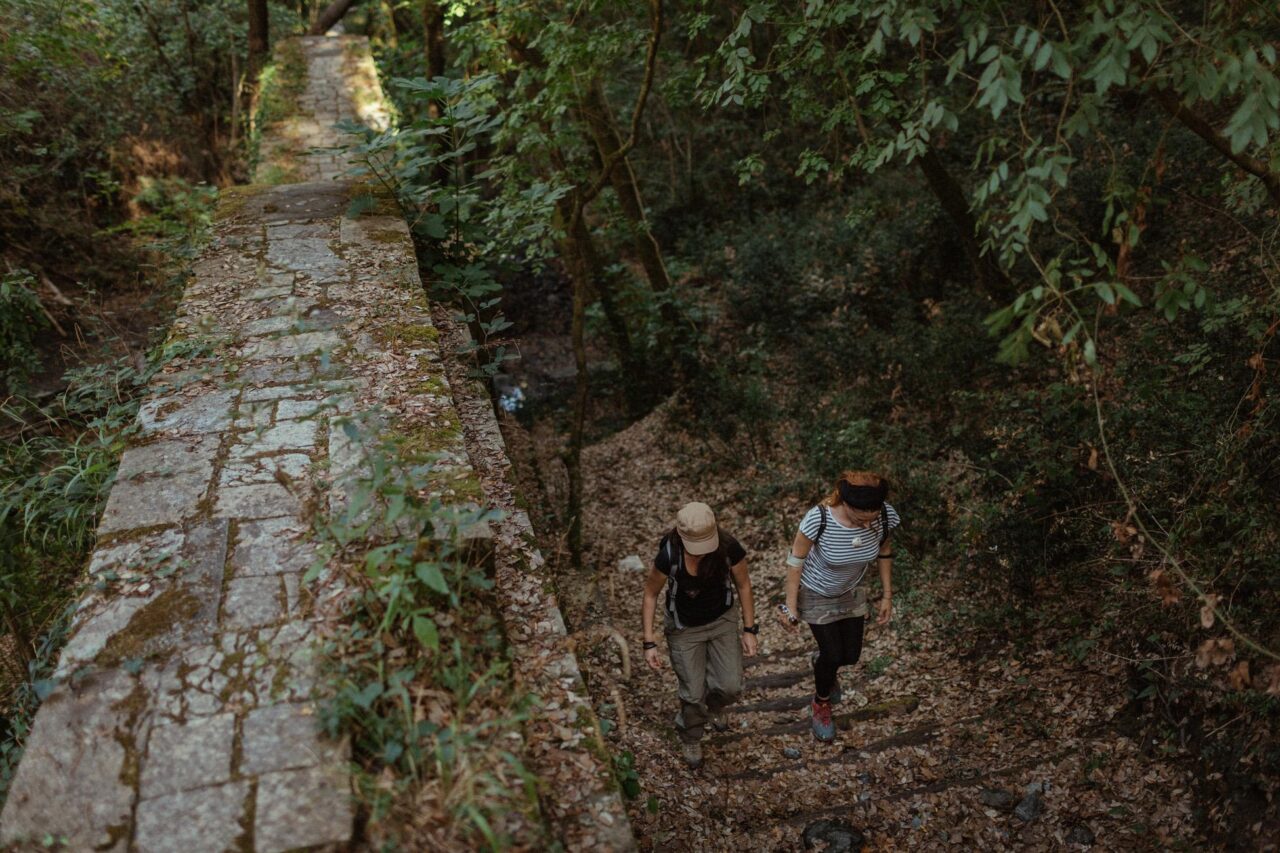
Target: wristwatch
x,y
751,629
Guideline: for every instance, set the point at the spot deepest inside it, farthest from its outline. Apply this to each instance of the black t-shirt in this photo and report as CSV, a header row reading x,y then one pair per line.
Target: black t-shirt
x,y
697,601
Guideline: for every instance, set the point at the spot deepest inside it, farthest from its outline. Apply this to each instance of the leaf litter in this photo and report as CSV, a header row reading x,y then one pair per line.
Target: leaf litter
x,y
993,727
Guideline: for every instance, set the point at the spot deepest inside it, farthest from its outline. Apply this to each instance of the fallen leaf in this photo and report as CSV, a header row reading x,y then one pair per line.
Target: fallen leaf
x,y
1238,678
1215,652
1207,610
1164,588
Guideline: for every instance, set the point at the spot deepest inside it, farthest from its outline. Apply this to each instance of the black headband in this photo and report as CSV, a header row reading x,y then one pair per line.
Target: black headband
x,y
864,497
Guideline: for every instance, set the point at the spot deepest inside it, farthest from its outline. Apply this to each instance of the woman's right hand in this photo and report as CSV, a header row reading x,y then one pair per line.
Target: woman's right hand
x,y
785,619
652,659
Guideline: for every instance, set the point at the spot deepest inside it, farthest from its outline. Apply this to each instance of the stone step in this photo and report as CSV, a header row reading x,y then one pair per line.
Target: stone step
x,y
887,708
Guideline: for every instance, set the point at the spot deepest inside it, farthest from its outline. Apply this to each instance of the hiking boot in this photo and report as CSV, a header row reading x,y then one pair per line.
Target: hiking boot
x,y
824,728
691,751
718,720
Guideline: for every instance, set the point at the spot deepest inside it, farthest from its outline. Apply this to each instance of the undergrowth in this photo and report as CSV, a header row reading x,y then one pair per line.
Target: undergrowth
x,y
419,675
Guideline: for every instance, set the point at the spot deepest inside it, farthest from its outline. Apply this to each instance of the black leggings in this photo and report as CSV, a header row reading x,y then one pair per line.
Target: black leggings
x,y
839,644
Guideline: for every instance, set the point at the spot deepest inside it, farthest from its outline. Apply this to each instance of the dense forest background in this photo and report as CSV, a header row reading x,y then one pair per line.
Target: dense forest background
x,y
1020,257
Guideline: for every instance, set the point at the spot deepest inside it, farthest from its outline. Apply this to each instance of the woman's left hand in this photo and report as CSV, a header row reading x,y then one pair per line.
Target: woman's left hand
x,y
886,608
748,644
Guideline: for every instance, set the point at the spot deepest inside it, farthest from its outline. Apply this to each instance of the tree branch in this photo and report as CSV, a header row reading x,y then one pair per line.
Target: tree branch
x,y
612,160
1200,127
330,16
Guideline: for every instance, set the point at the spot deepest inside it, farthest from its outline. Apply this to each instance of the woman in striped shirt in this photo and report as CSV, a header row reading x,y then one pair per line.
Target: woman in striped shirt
x,y
838,541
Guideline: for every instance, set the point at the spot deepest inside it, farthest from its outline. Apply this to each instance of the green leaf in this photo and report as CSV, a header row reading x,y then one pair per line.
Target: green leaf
x,y
427,634
433,226
360,205
1126,294
1061,65
1043,55
1090,352
366,697
430,574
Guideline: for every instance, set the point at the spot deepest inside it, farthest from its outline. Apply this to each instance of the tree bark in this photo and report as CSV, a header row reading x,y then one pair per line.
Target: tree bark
x,y
954,203
575,227
604,133
330,16
577,430
583,261
433,38
259,38
259,49
1198,125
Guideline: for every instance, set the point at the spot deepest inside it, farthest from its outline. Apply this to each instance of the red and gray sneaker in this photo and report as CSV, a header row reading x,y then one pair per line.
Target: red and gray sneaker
x,y
824,728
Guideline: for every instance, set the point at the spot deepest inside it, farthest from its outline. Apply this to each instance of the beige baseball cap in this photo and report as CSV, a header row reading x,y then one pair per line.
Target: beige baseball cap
x,y
696,524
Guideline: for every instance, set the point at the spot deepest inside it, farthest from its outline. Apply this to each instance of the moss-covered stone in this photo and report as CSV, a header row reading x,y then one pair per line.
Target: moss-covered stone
x,y
407,333
431,386
140,637
231,200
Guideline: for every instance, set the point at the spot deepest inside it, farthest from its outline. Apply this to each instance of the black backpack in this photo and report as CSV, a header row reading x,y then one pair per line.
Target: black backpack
x,y
675,559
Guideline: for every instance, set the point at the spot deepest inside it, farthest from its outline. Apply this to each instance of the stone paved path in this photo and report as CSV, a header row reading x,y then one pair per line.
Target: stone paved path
x,y
183,716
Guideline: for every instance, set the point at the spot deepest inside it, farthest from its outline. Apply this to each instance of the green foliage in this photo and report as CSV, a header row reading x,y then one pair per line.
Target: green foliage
x,y
430,166
1033,100
624,770
419,677
21,320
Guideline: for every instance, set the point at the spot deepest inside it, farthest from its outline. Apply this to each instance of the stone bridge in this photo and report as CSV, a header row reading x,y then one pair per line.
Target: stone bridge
x,y
184,716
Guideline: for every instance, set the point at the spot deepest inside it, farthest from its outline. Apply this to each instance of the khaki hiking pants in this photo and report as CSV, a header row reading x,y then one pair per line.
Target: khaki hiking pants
x,y
707,660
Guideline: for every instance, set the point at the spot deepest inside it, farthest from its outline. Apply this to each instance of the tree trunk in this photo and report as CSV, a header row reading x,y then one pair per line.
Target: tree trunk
x,y
433,38
259,48
604,132
434,57
952,198
330,16
577,429
579,251
259,38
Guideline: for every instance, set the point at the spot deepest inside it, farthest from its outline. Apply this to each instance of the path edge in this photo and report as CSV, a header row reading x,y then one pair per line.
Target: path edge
x,y
581,795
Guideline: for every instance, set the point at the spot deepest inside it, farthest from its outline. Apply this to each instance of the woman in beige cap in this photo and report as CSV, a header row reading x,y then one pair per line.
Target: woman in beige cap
x,y
700,565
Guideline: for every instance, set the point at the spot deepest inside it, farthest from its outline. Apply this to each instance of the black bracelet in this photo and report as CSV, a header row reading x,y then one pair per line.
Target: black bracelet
x,y
752,629
888,556
648,645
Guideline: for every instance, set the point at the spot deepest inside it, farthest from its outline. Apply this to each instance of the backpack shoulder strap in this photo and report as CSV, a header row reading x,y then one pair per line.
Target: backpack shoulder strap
x,y
822,523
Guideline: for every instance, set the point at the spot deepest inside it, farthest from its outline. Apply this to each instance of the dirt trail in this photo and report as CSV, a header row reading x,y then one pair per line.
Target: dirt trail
x,y
929,737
